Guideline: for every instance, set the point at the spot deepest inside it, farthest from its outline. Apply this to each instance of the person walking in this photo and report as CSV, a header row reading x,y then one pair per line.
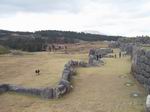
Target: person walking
x,y
119,54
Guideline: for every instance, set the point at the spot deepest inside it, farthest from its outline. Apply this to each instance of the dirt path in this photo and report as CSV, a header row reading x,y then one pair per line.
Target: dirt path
x,y
103,89
97,89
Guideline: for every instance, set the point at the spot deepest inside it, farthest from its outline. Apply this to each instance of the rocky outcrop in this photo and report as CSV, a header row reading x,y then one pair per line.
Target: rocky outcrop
x,y
95,55
64,86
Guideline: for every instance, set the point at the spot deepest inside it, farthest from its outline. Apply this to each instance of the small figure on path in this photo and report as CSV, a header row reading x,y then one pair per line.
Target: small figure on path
x,y
100,56
97,57
50,49
65,49
115,56
53,47
37,72
119,54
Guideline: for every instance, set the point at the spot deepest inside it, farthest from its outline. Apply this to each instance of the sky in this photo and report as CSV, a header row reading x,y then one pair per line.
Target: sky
x,y
111,17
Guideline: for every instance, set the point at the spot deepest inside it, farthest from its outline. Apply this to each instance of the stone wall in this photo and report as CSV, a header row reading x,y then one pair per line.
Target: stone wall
x,y
127,47
113,44
137,40
95,55
126,44
141,66
64,86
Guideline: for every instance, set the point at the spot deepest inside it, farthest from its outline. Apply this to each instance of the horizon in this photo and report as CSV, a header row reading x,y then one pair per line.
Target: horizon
x,y
106,17
72,31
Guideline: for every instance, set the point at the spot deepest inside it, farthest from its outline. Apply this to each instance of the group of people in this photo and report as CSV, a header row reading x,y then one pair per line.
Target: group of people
x,y
120,55
53,48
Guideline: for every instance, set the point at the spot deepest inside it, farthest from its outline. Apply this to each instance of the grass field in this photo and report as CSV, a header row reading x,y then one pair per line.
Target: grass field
x,y
96,89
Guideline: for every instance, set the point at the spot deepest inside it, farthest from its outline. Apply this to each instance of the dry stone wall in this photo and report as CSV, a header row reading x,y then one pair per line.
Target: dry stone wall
x,y
64,86
126,44
139,50
141,66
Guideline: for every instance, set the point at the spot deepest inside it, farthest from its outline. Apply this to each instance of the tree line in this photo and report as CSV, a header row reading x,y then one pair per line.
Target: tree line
x,y
36,41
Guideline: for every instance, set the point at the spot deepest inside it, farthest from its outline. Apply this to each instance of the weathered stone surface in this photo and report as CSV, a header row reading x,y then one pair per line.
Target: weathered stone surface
x,y
83,64
65,83
47,93
95,55
4,88
141,66
148,103
147,54
148,82
19,89
127,47
66,75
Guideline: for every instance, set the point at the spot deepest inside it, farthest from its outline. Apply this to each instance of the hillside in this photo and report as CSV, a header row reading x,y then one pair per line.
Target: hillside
x,y
34,41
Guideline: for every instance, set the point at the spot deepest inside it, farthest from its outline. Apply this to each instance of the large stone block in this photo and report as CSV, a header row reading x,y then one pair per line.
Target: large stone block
x,y
47,93
4,88
145,74
148,82
147,54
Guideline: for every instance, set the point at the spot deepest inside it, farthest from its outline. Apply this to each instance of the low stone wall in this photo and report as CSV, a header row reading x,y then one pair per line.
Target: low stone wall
x,y
95,55
64,86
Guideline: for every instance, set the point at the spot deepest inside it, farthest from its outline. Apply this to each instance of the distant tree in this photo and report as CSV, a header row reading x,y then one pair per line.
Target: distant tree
x,y
29,41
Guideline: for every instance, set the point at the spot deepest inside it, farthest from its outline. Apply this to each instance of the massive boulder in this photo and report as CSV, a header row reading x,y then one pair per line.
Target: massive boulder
x,y
4,88
95,56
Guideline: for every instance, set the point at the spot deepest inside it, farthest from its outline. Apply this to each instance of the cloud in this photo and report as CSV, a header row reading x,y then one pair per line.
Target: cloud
x,y
114,17
13,6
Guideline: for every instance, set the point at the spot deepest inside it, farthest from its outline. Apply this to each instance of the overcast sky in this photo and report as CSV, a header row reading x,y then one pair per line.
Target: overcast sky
x,y
112,17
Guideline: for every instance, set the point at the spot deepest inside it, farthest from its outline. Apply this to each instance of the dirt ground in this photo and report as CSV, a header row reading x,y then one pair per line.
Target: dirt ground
x,y
96,89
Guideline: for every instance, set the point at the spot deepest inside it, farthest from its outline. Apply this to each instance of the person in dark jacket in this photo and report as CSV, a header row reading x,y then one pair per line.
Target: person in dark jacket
x,y
37,72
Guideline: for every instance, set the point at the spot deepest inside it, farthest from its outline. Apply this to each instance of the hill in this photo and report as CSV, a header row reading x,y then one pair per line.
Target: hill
x,y
34,41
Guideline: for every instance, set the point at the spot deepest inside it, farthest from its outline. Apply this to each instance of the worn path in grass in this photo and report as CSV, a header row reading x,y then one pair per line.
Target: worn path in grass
x,y
96,89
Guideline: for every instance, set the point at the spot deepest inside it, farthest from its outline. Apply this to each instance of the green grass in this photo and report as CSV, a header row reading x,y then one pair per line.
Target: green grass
x,y
146,47
4,50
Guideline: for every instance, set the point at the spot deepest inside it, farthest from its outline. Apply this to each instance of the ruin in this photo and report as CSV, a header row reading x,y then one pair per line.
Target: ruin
x,y
64,86
95,55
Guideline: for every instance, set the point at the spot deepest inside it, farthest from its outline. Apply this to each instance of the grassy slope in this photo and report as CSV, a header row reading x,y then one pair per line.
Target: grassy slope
x,y
97,89
3,50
